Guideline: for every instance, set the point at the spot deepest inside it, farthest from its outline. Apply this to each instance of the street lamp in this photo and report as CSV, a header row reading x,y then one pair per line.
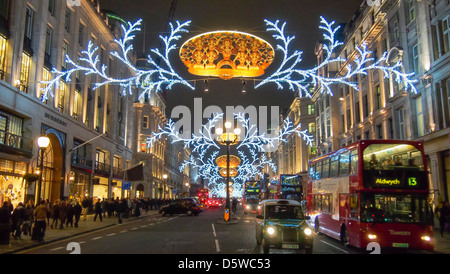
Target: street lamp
x,y
164,176
228,139
43,143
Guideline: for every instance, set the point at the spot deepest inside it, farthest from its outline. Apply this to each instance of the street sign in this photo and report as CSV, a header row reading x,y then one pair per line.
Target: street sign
x,y
126,185
226,214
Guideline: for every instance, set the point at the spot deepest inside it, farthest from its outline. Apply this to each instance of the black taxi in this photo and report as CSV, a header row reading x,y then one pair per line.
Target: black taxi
x,y
281,224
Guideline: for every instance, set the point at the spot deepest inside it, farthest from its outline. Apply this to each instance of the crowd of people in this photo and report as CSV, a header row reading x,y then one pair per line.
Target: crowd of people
x,y
31,220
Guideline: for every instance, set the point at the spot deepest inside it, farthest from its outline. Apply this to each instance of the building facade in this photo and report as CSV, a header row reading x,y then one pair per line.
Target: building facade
x,y
89,130
416,33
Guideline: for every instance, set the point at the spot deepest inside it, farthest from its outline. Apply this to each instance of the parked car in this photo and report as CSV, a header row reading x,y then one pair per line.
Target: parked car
x,y
282,225
187,206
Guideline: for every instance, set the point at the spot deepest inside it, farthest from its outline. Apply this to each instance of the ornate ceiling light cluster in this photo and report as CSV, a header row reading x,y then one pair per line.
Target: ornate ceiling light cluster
x,y
226,54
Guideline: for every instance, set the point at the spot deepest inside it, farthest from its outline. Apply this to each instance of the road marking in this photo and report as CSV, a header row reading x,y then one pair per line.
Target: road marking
x,y
123,231
214,230
96,238
217,245
134,228
112,234
215,238
335,246
56,248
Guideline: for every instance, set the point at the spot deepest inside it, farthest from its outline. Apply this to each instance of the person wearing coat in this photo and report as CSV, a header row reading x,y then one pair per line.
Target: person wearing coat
x,y
70,211
55,214
77,209
98,210
62,213
18,217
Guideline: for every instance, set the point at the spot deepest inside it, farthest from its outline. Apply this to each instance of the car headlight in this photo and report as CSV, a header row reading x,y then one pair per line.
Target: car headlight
x,y
307,231
271,231
247,207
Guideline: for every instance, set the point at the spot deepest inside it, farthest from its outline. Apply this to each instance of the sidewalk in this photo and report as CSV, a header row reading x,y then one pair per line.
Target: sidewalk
x,y
55,234
441,244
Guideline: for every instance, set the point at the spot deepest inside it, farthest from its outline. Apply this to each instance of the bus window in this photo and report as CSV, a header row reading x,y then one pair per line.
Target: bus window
x,y
334,165
326,203
325,168
354,206
392,156
354,161
344,163
317,203
395,208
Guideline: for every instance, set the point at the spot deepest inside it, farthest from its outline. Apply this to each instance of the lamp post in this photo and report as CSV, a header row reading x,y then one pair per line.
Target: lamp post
x,y
43,143
228,139
165,176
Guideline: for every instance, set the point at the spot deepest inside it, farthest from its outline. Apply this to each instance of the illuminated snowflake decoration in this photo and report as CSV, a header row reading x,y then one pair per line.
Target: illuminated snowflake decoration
x,y
158,77
205,150
163,75
289,74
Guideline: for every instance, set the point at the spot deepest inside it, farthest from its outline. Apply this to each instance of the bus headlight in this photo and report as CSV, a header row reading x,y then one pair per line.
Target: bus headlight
x,y
271,231
426,238
307,231
372,236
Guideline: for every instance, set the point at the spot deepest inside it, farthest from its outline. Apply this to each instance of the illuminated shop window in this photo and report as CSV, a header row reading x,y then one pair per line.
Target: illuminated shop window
x,y
25,72
46,76
2,57
62,95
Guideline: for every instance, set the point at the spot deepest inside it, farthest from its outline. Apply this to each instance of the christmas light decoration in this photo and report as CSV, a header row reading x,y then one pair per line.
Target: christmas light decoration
x,y
288,73
156,78
253,140
297,79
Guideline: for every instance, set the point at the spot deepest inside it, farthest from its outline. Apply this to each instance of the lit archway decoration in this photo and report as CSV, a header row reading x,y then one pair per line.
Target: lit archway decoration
x,y
227,54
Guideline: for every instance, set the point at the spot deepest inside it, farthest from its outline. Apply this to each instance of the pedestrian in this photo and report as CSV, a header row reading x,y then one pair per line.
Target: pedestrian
x,y
98,210
85,205
77,209
120,209
62,213
40,216
5,223
104,205
29,209
70,211
18,217
234,205
49,206
110,207
444,218
55,214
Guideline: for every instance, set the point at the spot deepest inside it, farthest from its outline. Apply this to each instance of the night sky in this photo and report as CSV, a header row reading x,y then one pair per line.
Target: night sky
x,y
302,17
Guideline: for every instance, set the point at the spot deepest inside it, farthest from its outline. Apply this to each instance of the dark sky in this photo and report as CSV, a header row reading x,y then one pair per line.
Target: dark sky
x,y
302,17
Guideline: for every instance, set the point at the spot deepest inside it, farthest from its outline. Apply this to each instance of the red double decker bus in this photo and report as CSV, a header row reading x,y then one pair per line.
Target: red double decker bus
x,y
372,191
203,196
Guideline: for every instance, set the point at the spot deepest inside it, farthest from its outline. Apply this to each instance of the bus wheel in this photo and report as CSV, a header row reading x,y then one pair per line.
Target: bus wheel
x,y
344,236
